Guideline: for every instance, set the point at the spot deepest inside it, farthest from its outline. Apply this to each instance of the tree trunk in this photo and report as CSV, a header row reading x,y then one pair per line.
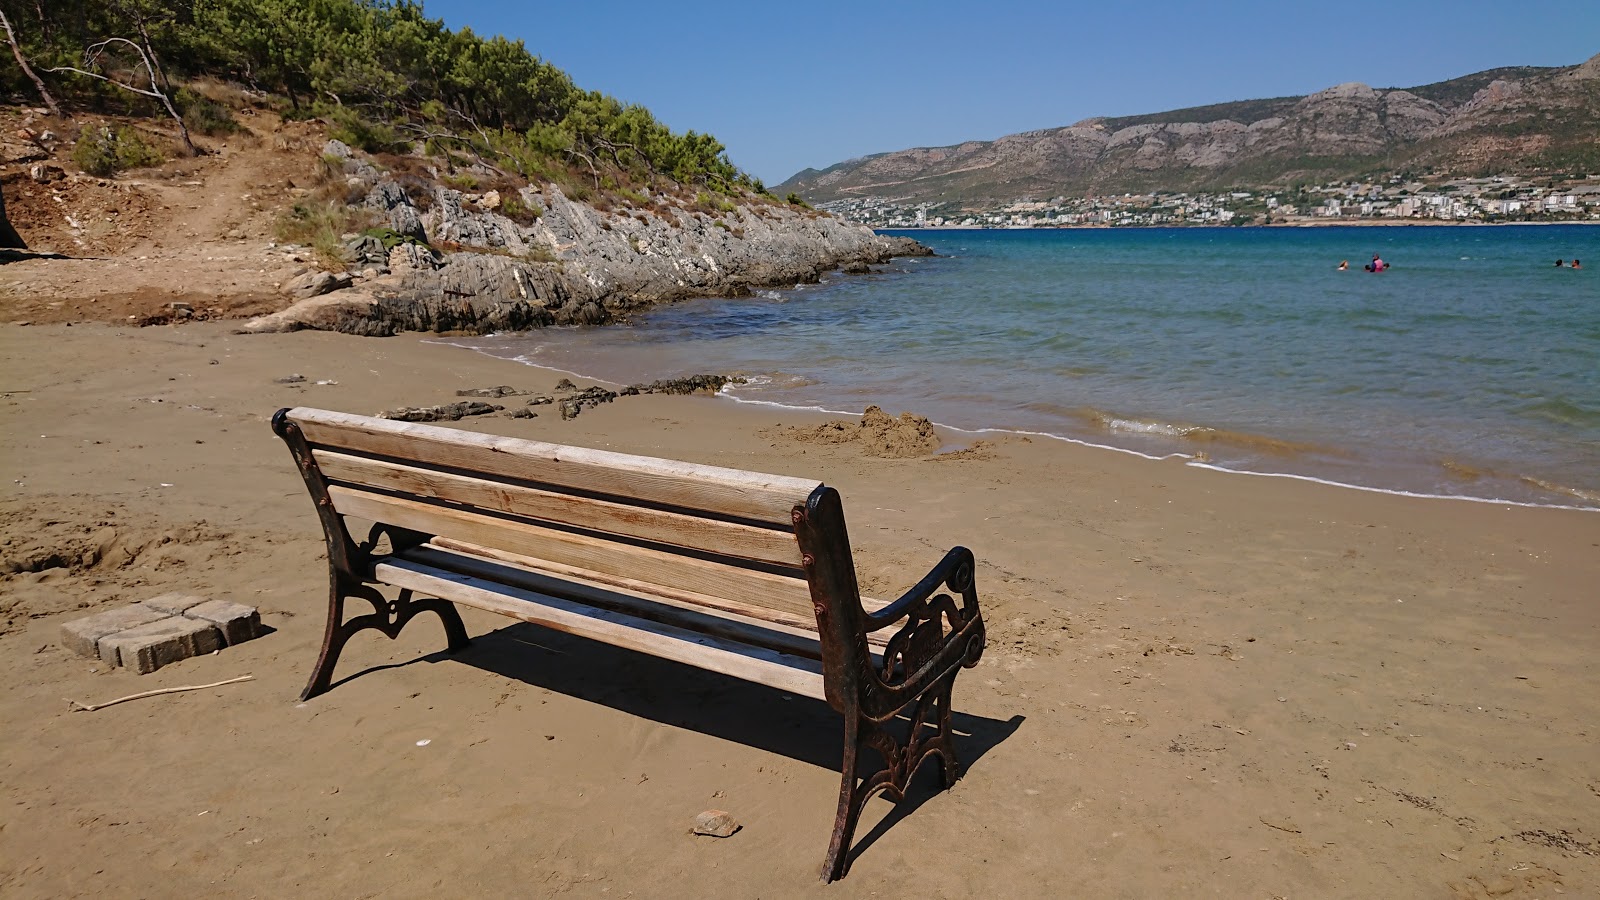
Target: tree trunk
x,y
8,235
16,50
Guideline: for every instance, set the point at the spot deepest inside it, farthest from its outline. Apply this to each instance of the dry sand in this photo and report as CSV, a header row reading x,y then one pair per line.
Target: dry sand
x,y
1197,683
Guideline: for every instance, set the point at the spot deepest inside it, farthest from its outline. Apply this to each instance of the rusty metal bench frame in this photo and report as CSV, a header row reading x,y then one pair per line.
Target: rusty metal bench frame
x,y
876,665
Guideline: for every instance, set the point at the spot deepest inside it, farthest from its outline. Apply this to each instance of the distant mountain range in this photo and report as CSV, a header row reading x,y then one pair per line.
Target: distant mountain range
x,y
1522,120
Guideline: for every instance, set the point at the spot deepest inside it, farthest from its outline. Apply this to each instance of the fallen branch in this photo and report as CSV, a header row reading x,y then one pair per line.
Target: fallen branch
x,y
1289,828
85,707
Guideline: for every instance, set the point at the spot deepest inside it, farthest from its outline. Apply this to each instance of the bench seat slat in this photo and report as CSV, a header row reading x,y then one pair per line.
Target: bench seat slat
x,y
730,538
761,665
686,599
694,617
645,564
712,489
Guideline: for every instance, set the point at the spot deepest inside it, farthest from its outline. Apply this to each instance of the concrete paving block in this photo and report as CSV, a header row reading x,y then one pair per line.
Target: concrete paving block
x,y
237,622
174,604
147,648
82,636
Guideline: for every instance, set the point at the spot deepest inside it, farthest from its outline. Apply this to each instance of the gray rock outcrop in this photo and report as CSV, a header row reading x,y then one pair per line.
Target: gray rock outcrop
x,y
571,264
389,199
313,284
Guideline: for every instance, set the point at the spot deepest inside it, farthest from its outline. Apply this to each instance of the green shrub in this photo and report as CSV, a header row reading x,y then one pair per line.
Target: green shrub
x,y
392,239
356,130
103,152
712,202
321,225
794,200
517,211
304,113
202,115
579,191
332,168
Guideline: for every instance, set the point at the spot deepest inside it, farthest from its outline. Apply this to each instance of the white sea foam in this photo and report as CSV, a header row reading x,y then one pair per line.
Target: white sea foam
x,y
792,406
1066,440
1391,491
526,360
1135,426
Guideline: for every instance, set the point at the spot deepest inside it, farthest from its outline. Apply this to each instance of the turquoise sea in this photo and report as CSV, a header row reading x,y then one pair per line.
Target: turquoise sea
x,y
1471,368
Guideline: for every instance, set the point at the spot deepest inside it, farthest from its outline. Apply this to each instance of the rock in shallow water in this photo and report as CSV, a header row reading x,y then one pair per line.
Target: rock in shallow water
x,y
448,412
692,384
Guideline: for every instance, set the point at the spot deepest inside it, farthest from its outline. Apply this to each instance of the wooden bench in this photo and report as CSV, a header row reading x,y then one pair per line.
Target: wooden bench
x,y
735,572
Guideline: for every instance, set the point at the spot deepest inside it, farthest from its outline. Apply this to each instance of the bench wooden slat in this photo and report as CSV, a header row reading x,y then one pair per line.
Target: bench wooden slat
x,y
730,538
758,664
807,623
693,616
761,588
728,492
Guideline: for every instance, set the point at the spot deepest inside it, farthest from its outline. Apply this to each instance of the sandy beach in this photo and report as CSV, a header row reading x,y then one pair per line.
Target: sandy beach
x,y
1197,684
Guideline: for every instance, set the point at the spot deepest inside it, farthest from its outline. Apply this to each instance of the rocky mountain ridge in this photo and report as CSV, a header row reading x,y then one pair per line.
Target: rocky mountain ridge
x,y
1500,120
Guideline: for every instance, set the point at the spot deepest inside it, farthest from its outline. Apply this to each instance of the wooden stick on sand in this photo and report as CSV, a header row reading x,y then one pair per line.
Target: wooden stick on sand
x,y
85,707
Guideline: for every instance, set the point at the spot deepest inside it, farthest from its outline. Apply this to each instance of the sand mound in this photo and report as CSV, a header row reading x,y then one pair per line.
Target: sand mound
x,y
43,543
878,433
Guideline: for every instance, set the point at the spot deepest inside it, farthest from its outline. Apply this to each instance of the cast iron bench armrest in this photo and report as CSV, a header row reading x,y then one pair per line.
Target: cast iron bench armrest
x,y
933,636
953,572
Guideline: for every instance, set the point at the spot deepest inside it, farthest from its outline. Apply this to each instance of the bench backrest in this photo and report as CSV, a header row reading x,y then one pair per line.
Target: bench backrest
x,y
689,528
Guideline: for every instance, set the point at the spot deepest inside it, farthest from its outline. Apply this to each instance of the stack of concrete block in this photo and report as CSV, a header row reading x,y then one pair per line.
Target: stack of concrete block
x,y
148,635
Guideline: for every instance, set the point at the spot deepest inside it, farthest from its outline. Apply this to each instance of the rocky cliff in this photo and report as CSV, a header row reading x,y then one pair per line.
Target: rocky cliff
x,y
1520,119
444,259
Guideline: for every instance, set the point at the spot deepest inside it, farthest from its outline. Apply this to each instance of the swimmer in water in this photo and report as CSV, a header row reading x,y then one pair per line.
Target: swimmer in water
x,y
1344,264
1576,264
1560,263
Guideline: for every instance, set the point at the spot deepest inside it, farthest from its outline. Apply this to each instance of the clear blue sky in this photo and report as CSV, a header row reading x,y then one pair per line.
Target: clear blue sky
x,y
786,85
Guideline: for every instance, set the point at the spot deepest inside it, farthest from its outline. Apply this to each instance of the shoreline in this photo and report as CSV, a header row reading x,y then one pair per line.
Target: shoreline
x,y
1309,223
1176,452
1188,459
1176,657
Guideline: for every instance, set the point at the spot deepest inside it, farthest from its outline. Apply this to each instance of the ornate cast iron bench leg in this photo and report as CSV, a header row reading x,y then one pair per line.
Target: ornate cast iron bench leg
x,y
388,617
915,676
347,561
901,761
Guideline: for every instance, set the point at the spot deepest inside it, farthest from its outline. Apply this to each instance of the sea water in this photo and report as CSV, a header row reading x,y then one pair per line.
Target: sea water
x,y
1471,368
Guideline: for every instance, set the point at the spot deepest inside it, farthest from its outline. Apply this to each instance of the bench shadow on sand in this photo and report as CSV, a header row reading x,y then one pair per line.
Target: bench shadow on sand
x,y
682,696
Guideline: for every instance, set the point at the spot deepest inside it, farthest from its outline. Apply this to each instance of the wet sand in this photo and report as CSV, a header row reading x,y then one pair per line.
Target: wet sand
x,y
1197,683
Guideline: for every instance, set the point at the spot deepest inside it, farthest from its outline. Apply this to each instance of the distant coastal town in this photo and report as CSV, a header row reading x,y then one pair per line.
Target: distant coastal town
x,y
1394,201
